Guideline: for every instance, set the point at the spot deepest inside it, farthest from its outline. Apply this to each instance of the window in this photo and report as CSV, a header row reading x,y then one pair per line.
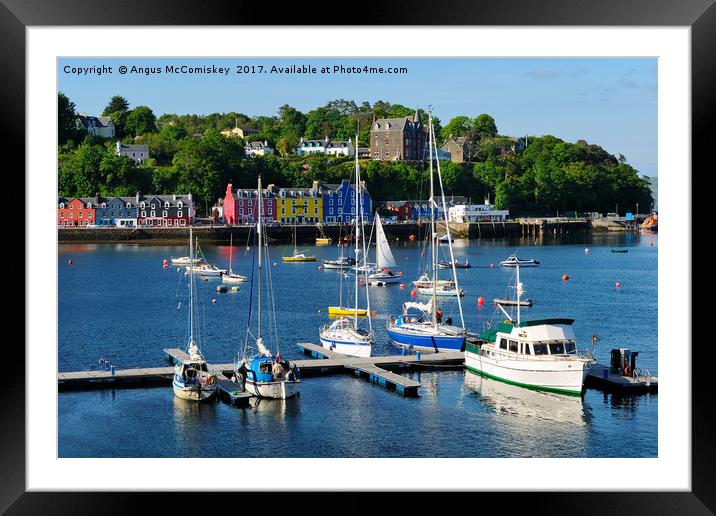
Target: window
x,y
144,214
166,204
153,214
62,215
570,348
503,344
540,349
164,213
513,346
179,214
526,348
557,348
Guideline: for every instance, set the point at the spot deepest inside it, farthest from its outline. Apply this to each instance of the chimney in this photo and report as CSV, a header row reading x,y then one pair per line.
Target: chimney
x,y
136,197
315,186
174,197
270,188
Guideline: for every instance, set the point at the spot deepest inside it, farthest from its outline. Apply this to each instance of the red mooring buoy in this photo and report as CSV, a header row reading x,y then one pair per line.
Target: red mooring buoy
x,y
69,262
413,293
618,285
402,285
480,301
565,277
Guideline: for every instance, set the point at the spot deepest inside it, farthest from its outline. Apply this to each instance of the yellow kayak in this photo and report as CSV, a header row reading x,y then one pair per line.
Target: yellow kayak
x,y
339,310
323,241
299,258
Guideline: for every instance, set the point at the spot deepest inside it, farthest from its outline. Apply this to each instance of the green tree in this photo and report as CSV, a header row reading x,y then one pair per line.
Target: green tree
x,y
116,104
67,120
458,126
140,120
484,126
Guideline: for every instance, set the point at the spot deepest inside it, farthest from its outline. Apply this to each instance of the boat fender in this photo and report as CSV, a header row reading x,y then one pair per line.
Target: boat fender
x,y
626,370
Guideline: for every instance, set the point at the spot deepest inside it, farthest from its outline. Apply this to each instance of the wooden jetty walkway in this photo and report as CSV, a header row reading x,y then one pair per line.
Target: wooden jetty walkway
x,y
380,370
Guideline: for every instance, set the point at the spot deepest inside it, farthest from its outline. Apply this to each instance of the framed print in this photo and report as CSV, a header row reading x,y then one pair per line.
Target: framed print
x,y
411,252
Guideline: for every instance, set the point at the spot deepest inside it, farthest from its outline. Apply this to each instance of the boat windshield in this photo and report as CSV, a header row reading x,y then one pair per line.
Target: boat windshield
x,y
568,347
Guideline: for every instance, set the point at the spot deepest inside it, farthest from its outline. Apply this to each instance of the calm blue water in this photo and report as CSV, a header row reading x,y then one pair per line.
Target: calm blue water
x,y
117,302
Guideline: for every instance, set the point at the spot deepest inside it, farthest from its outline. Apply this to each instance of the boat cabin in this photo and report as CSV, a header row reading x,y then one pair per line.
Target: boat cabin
x,y
546,337
190,371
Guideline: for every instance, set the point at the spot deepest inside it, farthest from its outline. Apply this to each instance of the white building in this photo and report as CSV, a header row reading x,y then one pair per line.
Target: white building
x,y
258,148
139,153
476,213
312,146
340,148
96,125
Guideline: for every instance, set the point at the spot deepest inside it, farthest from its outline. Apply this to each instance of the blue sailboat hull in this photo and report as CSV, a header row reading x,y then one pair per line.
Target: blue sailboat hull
x,y
427,342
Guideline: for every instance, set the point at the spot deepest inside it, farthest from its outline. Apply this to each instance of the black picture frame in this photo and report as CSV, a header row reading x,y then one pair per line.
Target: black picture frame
x,y
699,15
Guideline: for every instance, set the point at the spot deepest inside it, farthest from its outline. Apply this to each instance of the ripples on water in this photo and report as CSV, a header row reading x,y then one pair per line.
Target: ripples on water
x,y
116,301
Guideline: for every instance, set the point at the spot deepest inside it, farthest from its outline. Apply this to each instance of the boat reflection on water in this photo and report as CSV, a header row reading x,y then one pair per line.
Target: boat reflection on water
x,y
276,409
527,403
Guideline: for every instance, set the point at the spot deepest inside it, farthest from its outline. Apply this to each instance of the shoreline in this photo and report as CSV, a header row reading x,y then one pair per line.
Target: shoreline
x,y
307,234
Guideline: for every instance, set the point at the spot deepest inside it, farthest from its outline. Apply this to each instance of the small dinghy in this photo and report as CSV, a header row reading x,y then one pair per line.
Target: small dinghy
x,y
513,302
620,250
458,265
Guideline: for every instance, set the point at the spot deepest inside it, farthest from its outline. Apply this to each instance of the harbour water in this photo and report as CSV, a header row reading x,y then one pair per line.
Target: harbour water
x,y
117,302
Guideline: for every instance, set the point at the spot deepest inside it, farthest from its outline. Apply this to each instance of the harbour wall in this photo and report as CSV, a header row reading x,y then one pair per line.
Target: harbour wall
x,y
306,234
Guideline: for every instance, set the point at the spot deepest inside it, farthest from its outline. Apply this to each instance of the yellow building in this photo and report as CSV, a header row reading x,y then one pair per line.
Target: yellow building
x,y
299,205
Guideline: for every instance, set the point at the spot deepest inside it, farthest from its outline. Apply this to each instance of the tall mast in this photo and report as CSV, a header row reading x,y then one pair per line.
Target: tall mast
x,y
258,230
191,286
231,246
359,207
355,319
432,204
519,293
447,232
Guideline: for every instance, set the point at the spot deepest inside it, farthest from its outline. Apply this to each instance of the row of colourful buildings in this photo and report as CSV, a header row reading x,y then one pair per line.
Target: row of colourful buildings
x,y
321,203
138,211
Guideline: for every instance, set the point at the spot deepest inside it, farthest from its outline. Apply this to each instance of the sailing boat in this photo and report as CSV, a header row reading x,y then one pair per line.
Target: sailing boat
x,y
539,354
298,256
202,267
336,311
231,276
343,335
192,379
263,374
383,258
420,326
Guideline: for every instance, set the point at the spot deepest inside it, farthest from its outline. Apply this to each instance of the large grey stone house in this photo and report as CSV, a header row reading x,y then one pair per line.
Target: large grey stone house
x,y
401,139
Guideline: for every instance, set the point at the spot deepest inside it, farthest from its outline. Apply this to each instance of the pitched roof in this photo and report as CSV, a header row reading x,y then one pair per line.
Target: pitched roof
x,y
136,147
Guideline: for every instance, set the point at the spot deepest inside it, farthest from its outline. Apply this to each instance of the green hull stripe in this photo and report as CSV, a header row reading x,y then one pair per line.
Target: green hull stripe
x,y
525,385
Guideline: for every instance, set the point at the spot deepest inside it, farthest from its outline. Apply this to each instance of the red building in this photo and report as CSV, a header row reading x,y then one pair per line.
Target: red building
x,y
75,212
241,206
403,209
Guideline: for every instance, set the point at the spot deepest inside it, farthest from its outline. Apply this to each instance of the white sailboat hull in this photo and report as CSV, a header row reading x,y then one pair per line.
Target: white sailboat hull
x,y
192,393
440,291
278,390
565,376
233,278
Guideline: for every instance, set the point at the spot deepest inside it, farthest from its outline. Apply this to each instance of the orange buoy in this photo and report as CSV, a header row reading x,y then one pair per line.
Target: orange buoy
x,y
565,277
360,281
618,285
372,313
69,262
413,293
402,285
411,237
165,262
480,301
166,265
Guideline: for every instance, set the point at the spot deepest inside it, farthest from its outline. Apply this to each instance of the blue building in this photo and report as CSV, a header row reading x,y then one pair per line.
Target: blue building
x,y
339,203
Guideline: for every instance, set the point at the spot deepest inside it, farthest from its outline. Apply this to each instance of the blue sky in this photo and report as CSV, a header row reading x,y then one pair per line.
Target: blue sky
x,y
611,102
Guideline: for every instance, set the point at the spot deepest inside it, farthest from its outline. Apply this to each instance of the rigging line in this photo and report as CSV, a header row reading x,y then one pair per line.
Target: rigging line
x,y
251,294
269,285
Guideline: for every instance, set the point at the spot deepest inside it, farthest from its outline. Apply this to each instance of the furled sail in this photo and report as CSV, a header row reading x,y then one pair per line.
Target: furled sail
x,y
384,256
